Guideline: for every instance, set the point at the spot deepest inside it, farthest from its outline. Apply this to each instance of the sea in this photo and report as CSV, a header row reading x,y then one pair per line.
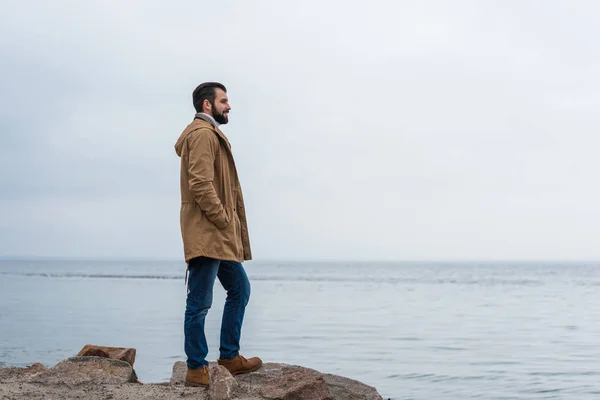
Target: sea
x,y
413,330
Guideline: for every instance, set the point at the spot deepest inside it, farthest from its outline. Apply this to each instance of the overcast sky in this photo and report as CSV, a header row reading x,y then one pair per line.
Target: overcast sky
x,y
392,130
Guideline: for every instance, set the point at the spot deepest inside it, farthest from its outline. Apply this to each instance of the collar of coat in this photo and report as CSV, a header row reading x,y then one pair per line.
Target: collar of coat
x,y
204,119
207,118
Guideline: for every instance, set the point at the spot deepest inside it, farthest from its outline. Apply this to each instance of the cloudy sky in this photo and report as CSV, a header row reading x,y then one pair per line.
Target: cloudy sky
x,y
385,130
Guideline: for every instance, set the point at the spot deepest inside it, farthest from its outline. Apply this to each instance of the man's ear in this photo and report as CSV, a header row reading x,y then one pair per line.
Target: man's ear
x,y
206,105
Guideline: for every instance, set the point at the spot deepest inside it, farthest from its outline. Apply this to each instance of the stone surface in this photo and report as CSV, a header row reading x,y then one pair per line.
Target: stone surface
x,y
296,383
13,374
129,391
342,388
95,378
286,382
83,370
178,374
116,353
222,384
35,368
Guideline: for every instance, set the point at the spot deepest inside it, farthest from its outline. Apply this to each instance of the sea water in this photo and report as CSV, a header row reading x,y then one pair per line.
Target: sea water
x,y
434,330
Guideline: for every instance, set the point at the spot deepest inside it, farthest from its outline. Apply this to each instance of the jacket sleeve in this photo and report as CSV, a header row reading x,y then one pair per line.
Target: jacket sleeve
x,y
203,146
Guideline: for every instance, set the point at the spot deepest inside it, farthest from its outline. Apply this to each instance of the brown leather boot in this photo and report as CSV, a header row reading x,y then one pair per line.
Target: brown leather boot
x,y
239,365
197,377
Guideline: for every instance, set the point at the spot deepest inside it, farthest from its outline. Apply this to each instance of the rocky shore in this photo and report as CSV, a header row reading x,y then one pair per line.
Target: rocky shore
x,y
107,373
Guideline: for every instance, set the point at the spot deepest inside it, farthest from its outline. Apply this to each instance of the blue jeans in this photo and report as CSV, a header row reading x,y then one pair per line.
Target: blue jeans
x,y
202,274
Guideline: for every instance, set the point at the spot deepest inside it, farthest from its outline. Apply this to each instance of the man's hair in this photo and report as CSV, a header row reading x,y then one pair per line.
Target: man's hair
x,y
206,91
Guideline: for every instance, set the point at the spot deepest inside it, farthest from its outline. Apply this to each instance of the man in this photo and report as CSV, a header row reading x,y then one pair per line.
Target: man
x,y
215,234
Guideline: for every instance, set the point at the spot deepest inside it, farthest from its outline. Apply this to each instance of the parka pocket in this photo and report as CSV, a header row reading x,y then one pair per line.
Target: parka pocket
x,y
225,222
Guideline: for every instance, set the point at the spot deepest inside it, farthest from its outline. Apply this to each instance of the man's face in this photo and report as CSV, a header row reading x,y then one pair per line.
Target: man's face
x,y
220,108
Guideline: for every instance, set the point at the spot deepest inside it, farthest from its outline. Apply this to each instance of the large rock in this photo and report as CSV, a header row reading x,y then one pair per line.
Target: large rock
x,y
286,382
116,353
84,370
98,378
342,388
222,384
295,383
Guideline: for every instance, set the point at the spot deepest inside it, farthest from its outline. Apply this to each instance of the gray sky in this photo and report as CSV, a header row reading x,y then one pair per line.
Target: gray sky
x,y
391,130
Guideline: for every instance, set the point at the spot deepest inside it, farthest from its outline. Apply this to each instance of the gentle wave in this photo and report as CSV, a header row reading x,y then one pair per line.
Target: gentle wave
x,y
438,377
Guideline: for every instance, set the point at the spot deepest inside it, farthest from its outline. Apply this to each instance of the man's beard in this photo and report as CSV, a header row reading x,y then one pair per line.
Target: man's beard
x,y
220,117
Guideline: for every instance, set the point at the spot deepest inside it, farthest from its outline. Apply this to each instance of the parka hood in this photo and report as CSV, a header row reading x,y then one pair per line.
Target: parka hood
x,y
200,121
179,143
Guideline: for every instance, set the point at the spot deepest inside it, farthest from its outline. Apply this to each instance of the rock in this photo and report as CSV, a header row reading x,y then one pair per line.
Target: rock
x,y
342,388
178,374
283,382
14,374
222,384
81,370
35,368
100,378
130,391
116,353
296,383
